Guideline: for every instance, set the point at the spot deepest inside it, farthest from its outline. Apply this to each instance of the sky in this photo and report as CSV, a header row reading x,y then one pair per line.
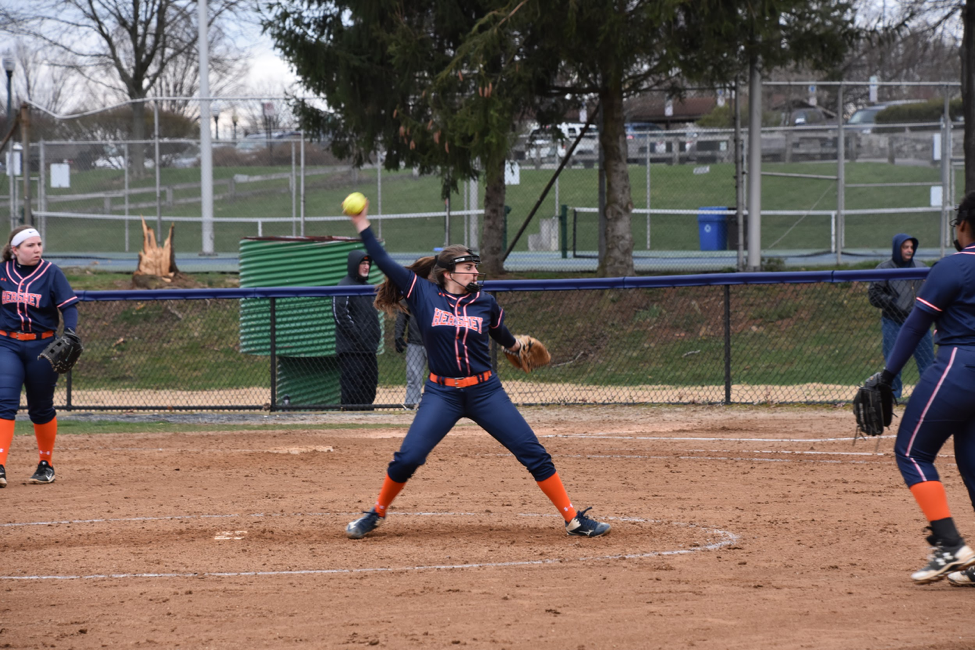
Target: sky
x,y
267,67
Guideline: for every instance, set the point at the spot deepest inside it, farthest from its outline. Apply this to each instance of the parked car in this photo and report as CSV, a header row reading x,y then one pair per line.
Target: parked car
x,y
805,132
865,119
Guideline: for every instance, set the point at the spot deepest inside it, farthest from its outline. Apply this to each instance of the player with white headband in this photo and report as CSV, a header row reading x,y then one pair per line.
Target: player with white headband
x,y
35,298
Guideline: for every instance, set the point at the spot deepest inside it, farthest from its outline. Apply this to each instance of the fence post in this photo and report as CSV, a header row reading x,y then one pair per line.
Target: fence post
x,y
155,136
840,175
945,170
832,233
564,230
67,398
42,183
293,181
303,183
575,231
274,356
125,164
504,228
727,344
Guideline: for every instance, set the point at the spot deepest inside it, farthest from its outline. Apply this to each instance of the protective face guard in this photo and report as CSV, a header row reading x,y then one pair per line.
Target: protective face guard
x,y
963,215
451,265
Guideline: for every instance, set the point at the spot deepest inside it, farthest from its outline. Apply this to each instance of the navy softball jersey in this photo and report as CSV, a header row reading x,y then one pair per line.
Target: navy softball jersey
x,y
31,299
941,405
455,331
32,296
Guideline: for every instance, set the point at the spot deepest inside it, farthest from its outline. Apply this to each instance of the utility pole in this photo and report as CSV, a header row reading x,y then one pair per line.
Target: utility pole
x,y
8,67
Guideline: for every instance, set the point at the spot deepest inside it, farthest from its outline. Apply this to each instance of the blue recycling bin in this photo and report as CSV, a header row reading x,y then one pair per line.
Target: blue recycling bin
x,y
712,226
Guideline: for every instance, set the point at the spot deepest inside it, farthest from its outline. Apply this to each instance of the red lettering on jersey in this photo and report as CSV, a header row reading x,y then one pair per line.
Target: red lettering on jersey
x,y
30,299
441,317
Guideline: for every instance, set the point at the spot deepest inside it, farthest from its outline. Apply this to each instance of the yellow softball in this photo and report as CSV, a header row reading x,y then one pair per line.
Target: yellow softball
x,y
354,204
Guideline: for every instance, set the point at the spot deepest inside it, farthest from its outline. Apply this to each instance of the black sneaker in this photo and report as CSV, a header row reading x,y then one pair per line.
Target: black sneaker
x,y
583,526
44,473
361,527
943,561
3,477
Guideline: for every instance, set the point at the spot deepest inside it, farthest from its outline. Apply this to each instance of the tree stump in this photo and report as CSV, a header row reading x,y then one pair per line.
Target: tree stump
x,y
157,265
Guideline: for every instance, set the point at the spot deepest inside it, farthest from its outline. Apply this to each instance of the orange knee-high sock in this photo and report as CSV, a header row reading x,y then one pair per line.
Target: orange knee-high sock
x,y
386,495
6,439
930,495
555,491
45,434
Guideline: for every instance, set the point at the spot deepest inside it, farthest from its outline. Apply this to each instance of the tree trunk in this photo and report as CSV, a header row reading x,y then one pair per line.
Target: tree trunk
x,y
138,160
492,234
968,92
155,262
618,259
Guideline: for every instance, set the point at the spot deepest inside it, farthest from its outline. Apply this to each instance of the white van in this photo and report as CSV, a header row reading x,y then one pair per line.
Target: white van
x,y
545,142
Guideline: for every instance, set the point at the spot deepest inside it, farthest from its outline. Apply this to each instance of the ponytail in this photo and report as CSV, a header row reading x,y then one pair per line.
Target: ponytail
x,y
389,298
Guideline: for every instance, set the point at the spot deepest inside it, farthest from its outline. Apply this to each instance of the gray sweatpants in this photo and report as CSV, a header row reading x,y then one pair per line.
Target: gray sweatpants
x,y
416,371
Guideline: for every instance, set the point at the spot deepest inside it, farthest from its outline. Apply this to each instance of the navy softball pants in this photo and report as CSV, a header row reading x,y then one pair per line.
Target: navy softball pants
x,y
20,368
486,404
940,406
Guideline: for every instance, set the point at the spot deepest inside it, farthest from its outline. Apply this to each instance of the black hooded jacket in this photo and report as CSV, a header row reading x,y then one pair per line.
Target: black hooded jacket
x,y
895,298
356,320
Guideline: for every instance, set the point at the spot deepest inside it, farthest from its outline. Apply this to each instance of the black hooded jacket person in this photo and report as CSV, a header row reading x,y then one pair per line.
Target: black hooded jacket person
x,y
357,335
895,300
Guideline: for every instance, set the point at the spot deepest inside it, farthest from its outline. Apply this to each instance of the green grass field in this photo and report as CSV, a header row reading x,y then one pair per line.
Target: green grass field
x,y
671,187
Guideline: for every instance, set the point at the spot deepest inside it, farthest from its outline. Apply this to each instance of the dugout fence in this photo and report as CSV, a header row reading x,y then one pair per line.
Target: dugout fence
x,y
746,338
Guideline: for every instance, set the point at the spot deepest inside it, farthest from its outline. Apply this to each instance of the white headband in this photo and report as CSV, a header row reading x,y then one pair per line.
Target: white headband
x,y
22,236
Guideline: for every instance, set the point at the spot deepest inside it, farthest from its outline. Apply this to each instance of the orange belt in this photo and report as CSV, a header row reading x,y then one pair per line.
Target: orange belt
x,y
461,382
27,336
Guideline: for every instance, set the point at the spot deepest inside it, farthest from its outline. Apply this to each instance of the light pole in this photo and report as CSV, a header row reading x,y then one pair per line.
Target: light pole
x,y
215,111
233,119
8,67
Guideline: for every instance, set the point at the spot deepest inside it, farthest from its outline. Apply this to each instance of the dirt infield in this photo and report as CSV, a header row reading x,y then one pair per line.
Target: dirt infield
x,y
732,528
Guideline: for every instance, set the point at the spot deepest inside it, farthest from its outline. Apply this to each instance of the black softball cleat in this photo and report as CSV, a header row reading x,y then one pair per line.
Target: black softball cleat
x,y
44,473
361,527
3,477
943,561
583,526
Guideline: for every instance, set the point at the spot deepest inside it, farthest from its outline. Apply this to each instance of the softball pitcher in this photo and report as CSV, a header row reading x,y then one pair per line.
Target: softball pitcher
x,y
941,405
34,292
456,318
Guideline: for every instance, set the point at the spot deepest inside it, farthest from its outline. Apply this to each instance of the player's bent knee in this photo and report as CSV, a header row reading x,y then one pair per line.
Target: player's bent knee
x,y
41,415
403,467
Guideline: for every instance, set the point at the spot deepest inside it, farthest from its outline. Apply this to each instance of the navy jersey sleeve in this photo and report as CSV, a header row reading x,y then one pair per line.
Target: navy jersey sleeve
x,y
62,292
497,329
403,278
70,316
941,288
915,327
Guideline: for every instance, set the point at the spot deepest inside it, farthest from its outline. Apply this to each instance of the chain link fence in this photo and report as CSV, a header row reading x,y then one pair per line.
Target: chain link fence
x,y
818,207
727,338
